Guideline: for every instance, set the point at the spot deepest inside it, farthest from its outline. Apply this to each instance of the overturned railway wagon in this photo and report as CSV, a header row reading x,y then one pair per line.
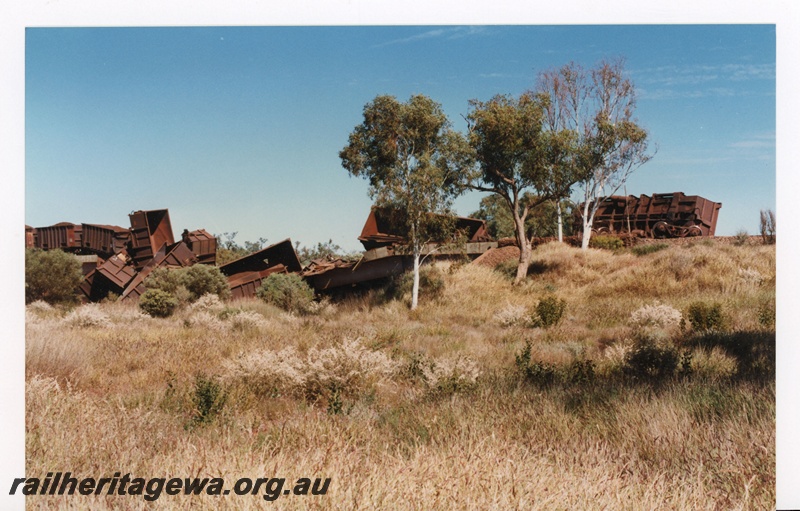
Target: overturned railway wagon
x,y
664,215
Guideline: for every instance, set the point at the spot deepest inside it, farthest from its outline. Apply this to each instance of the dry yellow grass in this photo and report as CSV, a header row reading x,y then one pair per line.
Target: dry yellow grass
x,y
113,391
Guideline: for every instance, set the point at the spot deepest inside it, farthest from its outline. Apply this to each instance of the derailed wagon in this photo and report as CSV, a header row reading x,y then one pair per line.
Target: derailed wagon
x,y
664,215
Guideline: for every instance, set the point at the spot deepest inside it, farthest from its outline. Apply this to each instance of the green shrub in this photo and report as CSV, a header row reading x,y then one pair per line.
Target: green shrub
x,y
51,276
606,242
158,303
431,284
766,314
705,317
207,400
202,279
164,279
286,290
649,248
549,312
538,373
651,361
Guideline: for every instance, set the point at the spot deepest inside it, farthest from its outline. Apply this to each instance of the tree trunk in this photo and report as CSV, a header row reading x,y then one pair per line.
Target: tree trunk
x,y
587,226
524,251
560,223
415,287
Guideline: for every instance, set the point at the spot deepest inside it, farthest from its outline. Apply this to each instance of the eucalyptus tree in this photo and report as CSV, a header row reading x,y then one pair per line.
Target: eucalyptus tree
x,y
413,161
598,107
520,160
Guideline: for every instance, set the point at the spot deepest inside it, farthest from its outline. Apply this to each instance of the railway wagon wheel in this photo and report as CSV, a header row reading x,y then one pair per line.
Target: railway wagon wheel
x,y
661,230
693,231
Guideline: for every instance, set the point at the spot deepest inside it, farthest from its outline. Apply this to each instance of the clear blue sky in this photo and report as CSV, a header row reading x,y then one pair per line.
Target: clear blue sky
x,y
239,129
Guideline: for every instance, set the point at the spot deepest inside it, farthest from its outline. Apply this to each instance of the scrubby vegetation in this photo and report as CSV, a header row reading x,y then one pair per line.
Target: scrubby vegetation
x,y
52,276
632,395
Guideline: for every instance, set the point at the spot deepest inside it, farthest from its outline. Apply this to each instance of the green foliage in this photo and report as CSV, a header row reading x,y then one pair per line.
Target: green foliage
x,y
202,279
766,314
549,312
229,250
164,279
286,290
51,276
158,303
208,400
649,248
189,284
706,316
650,361
538,373
754,351
606,242
412,159
542,221
326,250
431,283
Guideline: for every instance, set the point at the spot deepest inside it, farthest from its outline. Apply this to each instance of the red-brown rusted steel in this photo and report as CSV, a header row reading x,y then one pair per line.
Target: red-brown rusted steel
x,y
245,284
203,244
89,262
150,230
383,228
104,239
30,237
245,274
176,255
63,235
324,276
664,215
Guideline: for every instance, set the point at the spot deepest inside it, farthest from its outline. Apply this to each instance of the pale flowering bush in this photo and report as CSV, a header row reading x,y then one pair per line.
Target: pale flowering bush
x,y
657,315
750,276
87,316
204,320
209,302
247,320
511,315
343,370
40,307
451,374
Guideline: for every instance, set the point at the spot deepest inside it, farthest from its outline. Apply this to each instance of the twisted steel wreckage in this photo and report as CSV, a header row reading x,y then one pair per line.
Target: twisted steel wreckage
x,y
117,259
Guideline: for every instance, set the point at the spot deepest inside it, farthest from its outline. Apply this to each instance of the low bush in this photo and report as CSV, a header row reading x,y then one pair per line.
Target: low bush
x,y
208,400
706,316
202,279
431,284
51,275
286,290
606,242
650,361
549,312
649,248
158,303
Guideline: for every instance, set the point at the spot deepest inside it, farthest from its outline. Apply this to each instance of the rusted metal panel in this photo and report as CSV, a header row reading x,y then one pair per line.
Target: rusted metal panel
x,y
104,239
323,278
279,253
177,255
63,235
89,262
245,284
150,230
245,274
384,227
118,269
202,244
30,237
664,215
